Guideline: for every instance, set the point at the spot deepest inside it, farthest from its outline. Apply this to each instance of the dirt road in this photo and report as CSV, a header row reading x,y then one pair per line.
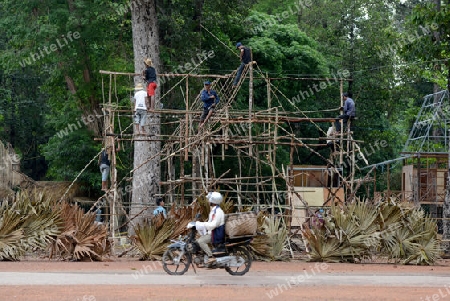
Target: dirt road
x,y
127,280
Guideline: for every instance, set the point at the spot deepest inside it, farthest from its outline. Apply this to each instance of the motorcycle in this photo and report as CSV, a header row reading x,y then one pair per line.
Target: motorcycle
x,y
233,256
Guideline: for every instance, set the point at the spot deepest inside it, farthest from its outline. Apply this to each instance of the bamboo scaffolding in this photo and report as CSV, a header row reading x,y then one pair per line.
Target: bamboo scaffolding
x,y
229,128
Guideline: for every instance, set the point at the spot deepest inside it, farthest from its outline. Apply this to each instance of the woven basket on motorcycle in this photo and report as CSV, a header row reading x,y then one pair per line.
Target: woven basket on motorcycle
x,y
241,224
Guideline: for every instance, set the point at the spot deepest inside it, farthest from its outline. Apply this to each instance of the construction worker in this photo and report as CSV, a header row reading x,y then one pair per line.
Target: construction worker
x,y
349,111
104,164
140,108
210,99
149,75
245,57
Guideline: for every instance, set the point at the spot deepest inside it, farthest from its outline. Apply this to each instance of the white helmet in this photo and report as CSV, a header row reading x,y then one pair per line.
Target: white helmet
x,y
215,198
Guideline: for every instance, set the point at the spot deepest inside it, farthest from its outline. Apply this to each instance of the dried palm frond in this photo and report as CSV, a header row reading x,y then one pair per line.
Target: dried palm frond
x,y
81,237
26,223
260,245
182,216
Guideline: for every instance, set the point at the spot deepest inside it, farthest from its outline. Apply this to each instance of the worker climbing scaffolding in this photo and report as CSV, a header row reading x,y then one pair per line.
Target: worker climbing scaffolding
x,y
210,99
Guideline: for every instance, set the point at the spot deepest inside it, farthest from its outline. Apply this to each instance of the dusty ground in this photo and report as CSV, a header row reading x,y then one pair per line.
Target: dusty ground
x,y
242,291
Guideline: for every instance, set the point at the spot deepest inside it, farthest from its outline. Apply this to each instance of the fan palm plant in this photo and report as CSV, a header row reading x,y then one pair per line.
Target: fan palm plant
x,y
152,236
389,228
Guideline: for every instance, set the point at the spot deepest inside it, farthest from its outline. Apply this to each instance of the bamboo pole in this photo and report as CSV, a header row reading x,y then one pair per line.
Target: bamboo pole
x,y
170,176
250,109
240,176
341,141
182,177
227,76
186,120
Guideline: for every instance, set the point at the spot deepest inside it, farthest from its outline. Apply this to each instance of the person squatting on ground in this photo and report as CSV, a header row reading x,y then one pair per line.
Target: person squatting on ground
x,y
349,111
140,109
149,75
210,99
215,226
245,57
160,209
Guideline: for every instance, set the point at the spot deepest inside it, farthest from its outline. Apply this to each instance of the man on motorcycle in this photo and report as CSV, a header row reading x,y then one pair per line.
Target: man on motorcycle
x,y
215,226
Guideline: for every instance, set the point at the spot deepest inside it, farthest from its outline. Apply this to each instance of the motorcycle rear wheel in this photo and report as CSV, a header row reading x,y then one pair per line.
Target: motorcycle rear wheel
x,y
174,263
240,252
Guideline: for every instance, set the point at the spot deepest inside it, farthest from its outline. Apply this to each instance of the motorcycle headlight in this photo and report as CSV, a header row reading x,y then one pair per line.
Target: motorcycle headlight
x,y
190,248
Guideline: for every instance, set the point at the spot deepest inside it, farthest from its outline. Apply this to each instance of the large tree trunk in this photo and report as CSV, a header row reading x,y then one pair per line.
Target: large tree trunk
x,y
147,174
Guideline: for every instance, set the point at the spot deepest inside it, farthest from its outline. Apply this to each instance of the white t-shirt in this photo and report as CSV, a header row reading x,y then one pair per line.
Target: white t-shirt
x,y
330,134
139,98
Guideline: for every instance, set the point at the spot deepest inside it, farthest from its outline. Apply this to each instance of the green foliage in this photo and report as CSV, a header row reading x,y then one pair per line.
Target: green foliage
x,y
429,39
69,154
45,90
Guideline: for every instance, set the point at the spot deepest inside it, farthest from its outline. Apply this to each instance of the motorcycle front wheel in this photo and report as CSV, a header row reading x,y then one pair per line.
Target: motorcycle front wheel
x,y
175,262
242,254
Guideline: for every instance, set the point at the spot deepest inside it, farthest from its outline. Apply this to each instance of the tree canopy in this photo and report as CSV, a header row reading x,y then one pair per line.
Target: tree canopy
x,y
51,52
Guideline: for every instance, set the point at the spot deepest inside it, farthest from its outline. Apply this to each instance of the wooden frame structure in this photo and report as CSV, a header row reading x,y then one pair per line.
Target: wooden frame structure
x,y
228,129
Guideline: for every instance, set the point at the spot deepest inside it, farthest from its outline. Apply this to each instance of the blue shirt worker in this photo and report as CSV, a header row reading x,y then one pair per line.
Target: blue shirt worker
x,y
210,99
349,111
160,209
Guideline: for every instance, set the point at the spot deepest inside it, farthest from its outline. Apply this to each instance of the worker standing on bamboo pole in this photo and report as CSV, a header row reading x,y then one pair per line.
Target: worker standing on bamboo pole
x,y
140,109
245,56
149,75
349,111
210,99
104,164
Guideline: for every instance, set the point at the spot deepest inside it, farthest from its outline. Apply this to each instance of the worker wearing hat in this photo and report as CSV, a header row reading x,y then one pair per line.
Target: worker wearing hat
x,y
210,99
140,108
245,57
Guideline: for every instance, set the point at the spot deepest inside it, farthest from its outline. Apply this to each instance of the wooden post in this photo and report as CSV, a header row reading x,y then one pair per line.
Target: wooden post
x,y
250,109
257,167
352,179
240,176
291,183
195,174
182,201
238,190
374,182
169,174
206,160
388,180
110,143
227,115
341,140
186,121
419,188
